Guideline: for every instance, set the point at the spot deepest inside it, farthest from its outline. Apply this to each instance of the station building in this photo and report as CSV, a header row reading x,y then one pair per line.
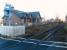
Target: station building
x,y
15,17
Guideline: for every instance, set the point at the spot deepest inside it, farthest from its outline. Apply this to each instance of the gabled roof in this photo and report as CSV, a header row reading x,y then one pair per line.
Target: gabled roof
x,y
22,14
35,14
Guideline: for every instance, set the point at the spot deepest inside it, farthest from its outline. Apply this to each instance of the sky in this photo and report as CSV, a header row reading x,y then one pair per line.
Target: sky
x,y
47,8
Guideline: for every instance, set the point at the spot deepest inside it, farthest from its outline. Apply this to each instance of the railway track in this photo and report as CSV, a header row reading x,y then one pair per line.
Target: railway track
x,y
39,29
44,35
47,34
36,42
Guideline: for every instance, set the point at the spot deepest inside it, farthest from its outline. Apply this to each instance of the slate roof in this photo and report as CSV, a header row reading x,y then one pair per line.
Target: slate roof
x,y
22,14
35,14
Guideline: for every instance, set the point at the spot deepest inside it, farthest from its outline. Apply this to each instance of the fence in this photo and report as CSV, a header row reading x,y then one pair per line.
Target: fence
x,y
12,30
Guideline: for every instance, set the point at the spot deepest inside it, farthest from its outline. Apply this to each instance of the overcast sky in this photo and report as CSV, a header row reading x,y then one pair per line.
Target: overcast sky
x,y
48,8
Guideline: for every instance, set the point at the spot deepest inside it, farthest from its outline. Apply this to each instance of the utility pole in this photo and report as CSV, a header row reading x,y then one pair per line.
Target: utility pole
x,y
9,22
